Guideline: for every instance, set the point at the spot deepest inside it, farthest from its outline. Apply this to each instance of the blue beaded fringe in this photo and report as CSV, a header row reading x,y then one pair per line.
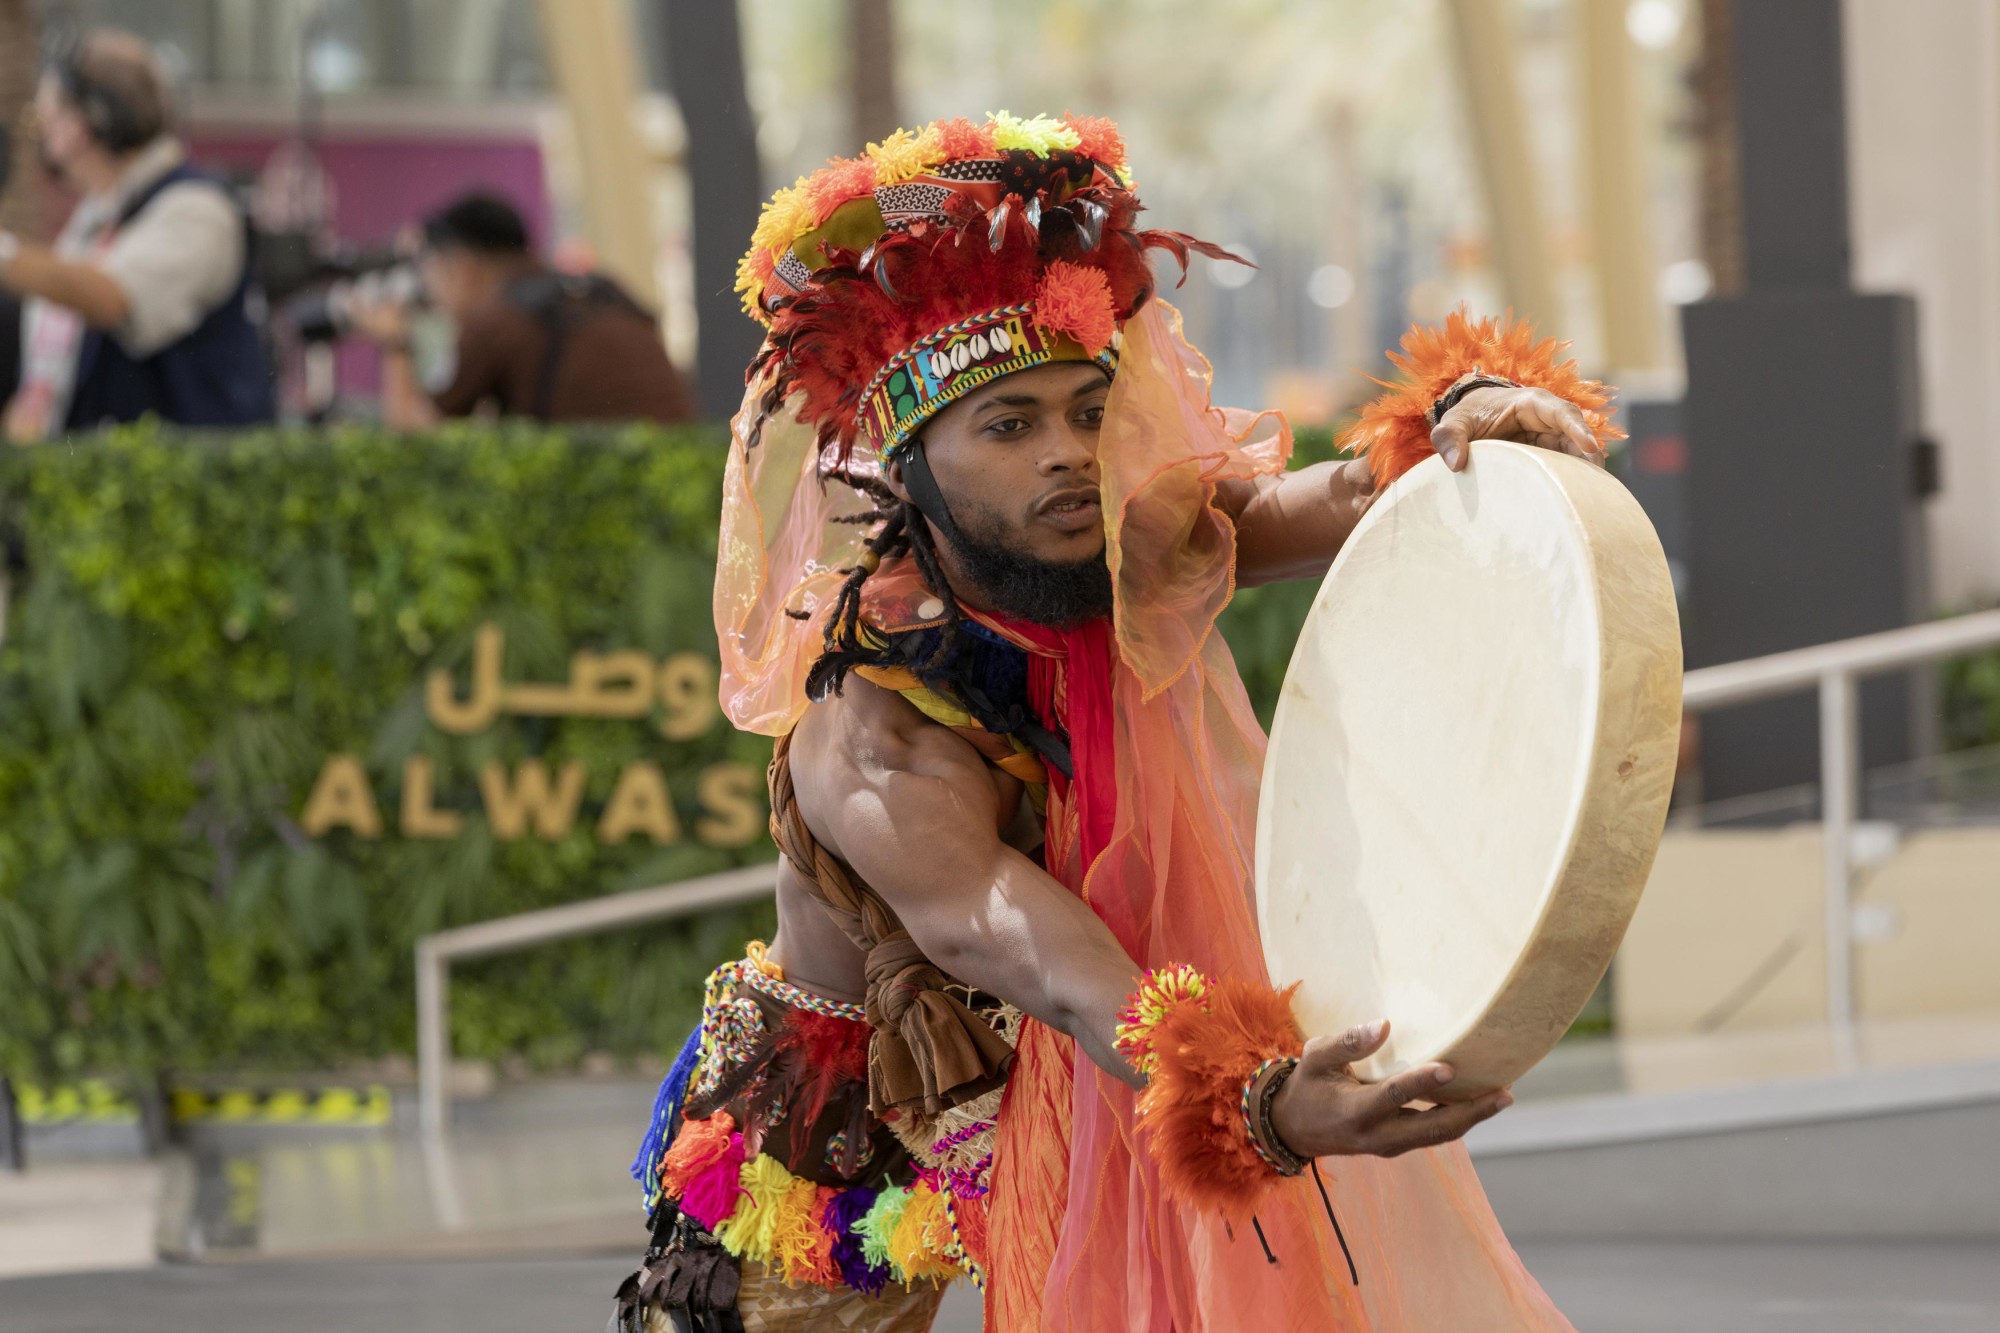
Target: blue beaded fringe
x,y
666,1119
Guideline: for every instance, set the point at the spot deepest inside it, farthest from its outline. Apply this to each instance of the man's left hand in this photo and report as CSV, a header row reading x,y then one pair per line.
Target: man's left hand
x,y
1526,416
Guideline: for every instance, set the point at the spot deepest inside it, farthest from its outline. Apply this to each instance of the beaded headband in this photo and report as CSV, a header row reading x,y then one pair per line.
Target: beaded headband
x,y
944,366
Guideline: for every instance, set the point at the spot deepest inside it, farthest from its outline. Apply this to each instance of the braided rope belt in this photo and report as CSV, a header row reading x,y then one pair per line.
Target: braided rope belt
x,y
785,993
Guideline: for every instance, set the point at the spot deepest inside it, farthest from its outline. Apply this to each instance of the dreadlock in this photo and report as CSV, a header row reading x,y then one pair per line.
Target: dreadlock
x,y
935,655
849,643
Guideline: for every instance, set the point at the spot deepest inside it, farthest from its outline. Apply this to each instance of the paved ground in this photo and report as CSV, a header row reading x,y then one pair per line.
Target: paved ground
x,y
492,1296
1605,1288
77,1216
1772,1286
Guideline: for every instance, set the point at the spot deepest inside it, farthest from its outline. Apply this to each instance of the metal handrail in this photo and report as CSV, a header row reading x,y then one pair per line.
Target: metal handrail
x,y
1834,669
436,952
1787,672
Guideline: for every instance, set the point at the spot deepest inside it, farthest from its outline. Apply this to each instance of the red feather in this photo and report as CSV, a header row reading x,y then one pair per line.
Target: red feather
x,y
820,1054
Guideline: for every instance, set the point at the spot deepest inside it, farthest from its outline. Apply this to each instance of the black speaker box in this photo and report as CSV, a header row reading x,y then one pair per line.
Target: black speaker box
x,y
1804,484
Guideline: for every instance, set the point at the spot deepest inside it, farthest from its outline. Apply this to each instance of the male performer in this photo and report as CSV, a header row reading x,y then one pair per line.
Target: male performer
x,y
979,519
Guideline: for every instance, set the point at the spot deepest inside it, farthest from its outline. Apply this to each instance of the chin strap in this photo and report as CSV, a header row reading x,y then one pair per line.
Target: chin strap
x,y
923,488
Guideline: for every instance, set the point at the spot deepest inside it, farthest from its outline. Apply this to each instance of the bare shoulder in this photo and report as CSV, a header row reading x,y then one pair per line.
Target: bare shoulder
x,y
866,729
865,746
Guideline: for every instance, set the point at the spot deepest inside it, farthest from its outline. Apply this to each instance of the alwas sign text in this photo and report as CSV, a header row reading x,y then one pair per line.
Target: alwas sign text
x,y
529,798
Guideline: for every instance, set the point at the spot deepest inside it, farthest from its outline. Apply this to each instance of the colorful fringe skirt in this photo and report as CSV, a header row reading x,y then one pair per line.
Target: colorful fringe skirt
x,y
776,1199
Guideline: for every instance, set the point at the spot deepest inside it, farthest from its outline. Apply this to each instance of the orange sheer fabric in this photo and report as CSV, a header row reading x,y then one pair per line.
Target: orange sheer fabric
x,y
1084,1239
779,549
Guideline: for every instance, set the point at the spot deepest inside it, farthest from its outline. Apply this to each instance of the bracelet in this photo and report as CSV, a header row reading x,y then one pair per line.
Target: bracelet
x,y
10,245
1215,1051
1257,1115
1463,385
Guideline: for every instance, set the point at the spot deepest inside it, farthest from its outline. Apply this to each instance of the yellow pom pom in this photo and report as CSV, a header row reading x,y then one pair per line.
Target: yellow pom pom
x,y
752,1230
903,155
753,275
877,1227
919,1246
796,1237
1042,134
786,218
1158,994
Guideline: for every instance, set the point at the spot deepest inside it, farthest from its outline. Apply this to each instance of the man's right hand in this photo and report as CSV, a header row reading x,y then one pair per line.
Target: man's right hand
x,y
1324,1111
381,319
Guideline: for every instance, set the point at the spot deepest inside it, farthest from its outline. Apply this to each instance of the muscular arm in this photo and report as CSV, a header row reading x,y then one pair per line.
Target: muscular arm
x,y
1292,525
916,812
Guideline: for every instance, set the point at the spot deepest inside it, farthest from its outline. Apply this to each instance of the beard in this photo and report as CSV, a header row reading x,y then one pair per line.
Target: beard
x,y
1060,594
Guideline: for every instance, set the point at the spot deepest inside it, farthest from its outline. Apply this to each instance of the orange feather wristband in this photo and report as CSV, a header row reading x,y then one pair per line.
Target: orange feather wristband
x,y
1200,1040
1394,432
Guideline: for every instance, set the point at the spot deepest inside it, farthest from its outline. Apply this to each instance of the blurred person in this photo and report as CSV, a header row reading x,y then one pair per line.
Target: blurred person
x,y
10,305
146,303
1015,1023
531,341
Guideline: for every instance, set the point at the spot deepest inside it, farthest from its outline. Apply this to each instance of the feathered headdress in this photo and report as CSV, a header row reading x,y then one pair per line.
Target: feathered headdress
x,y
893,283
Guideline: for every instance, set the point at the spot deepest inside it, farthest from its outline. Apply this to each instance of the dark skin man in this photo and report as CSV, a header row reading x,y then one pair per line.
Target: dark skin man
x,y
941,834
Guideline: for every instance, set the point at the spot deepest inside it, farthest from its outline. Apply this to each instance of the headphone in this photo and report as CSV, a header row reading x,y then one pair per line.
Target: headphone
x,y
110,121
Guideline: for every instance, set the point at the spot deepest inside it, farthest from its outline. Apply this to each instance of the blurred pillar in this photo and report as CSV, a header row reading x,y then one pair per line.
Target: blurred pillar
x,y
284,32
459,40
20,66
592,52
1714,79
1484,50
1616,157
874,111
234,43
704,63
1351,342
392,42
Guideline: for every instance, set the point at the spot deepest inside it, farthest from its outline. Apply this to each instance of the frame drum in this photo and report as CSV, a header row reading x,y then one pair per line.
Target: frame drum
x,y
1470,763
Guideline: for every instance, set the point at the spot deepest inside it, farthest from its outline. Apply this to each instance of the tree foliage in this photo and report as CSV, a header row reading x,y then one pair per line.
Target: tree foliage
x,y
196,624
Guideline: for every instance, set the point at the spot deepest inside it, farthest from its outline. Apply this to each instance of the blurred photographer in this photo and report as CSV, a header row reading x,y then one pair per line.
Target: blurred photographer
x,y
530,341
144,305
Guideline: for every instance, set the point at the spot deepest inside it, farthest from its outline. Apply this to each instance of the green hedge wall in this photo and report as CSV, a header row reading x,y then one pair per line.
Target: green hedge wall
x,y
202,622
198,625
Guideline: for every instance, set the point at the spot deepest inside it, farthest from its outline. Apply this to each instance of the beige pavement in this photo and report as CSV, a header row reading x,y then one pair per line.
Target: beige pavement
x,y
74,1217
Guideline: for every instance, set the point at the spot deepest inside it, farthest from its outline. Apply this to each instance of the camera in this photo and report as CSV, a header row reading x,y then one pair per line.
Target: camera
x,y
319,308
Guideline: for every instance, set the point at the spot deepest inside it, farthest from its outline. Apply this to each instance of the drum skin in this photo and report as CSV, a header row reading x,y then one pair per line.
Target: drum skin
x,y
1470,763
